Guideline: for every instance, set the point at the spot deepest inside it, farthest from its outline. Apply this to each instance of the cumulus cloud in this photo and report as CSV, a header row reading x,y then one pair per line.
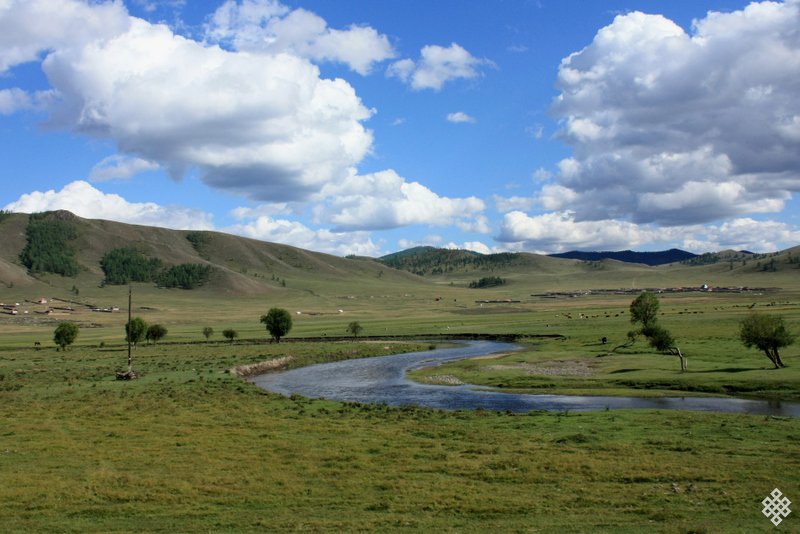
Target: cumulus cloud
x,y
560,232
266,126
515,203
386,200
676,128
436,66
460,116
84,200
267,26
118,167
743,234
297,234
30,27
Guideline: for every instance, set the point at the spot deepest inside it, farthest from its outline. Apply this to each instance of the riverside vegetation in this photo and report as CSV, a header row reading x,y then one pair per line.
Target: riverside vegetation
x,y
190,446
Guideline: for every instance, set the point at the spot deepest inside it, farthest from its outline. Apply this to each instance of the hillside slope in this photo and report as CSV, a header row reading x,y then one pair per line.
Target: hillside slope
x,y
240,265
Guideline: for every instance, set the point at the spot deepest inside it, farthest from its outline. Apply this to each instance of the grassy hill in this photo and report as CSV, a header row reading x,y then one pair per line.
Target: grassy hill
x,y
324,292
241,266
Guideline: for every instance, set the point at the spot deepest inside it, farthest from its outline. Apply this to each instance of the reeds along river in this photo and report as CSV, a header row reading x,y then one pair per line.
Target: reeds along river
x,y
382,380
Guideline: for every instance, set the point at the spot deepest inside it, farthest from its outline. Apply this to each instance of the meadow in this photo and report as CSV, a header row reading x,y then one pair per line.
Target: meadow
x,y
189,447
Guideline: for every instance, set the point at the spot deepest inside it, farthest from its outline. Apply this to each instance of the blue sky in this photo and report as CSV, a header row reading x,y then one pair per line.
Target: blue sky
x,y
366,127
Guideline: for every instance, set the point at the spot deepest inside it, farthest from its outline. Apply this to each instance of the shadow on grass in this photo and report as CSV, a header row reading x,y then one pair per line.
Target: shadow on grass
x,y
731,370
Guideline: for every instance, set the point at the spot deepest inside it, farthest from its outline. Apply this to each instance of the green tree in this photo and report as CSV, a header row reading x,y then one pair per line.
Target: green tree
x,y
155,332
644,309
65,334
136,330
208,332
278,323
354,328
230,334
767,333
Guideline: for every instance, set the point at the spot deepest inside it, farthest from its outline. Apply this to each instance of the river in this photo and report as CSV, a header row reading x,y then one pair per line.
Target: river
x,y
383,380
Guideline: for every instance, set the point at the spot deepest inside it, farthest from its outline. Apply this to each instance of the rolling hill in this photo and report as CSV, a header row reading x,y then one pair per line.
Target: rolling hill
x,y
250,268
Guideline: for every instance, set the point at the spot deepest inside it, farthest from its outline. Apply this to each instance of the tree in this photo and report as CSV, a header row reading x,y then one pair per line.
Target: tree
x,y
65,334
136,330
208,332
768,333
155,332
354,328
230,334
644,310
278,323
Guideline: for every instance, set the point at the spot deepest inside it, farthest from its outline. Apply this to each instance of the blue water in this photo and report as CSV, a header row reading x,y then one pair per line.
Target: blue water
x,y
383,380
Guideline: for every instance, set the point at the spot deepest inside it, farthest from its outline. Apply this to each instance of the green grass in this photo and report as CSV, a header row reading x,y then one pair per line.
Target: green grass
x,y
190,448
706,329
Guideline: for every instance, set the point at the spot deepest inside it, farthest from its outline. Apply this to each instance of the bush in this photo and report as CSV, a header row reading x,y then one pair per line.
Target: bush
x,y
230,334
487,281
155,332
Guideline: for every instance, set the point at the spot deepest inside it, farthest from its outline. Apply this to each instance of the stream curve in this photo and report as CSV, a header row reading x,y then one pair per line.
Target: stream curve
x,y
383,380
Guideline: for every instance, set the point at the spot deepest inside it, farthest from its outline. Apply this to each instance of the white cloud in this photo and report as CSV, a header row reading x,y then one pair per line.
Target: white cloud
x,y
12,100
436,66
264,126
474,246
118,167
82,199
28,28
560,232
267,26
386,200
506,204
744,234
460,116
297,234
675,128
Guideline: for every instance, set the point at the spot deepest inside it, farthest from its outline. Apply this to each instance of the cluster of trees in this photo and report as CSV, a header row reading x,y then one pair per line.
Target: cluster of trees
x,y
765,332
47,249
200,241
430,260
185,275
487,281
137,330
125,265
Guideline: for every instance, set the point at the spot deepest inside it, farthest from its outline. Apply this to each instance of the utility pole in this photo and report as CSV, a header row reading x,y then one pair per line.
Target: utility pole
x,y
130,293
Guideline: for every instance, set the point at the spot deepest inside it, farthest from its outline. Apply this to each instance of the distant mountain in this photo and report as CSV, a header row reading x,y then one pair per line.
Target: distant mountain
x,y
662,257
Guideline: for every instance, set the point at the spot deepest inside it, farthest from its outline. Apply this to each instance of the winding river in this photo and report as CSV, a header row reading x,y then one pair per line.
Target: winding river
x,y
383,380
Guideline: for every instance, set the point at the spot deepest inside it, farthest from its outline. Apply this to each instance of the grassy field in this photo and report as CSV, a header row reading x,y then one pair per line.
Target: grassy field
x,y
706,330
191,448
